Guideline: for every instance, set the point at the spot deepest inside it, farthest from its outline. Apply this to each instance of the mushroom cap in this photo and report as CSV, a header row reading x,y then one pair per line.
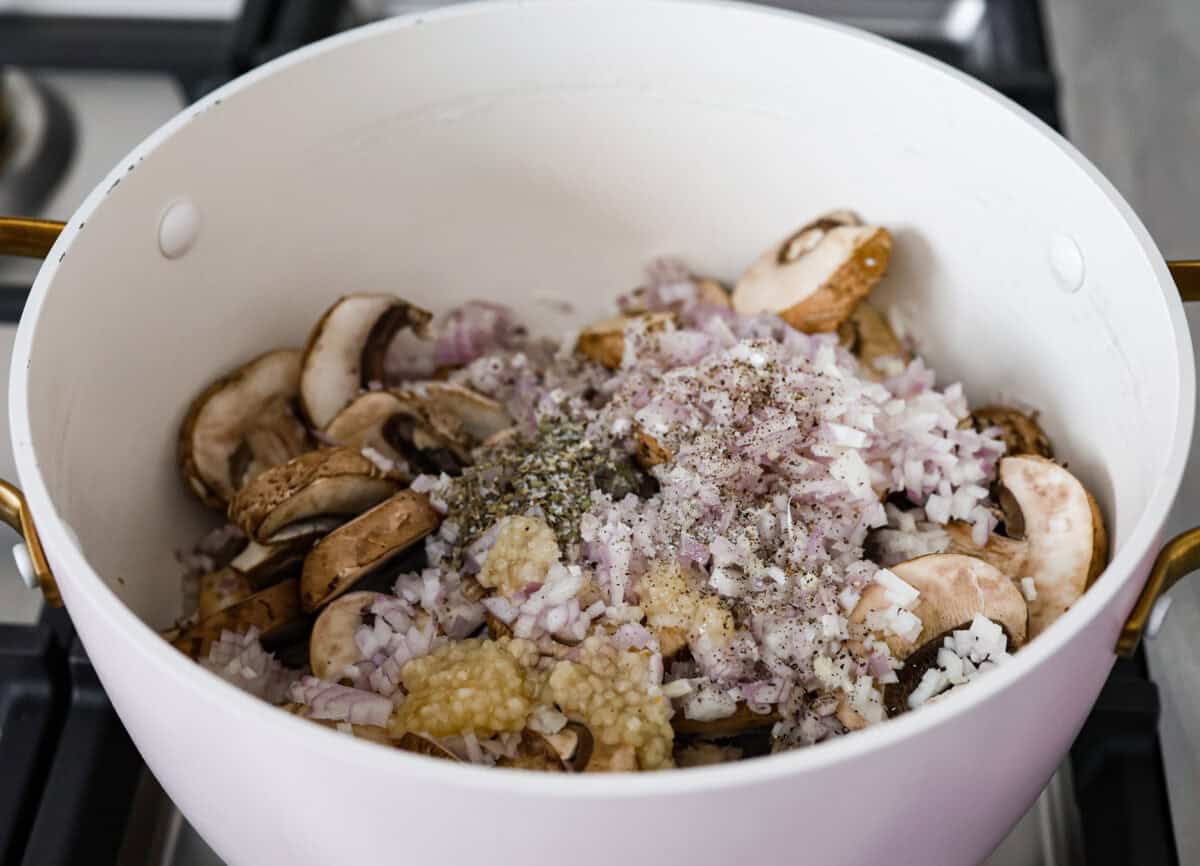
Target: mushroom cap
x,y
219,418
346,349
367,542
953,588
604,342
816,276
331,648
1061,524
274,611
322,483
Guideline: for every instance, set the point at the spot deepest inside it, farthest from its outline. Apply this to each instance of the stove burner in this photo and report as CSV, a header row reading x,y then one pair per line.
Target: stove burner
x,y
37,139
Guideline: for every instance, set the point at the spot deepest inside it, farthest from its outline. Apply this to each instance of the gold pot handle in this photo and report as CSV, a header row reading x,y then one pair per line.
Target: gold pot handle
x,y
1180,557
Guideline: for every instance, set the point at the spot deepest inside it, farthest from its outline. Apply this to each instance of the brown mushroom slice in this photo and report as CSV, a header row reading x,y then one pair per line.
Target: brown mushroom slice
x,y
1009,555
816,276
274,611
1061,523
455,410
867,335
254,399
953,589
604,342
363,423
262,562
346,349
328,482
366,543
535,752
742,721
331,647
1020,432
427,746
221,589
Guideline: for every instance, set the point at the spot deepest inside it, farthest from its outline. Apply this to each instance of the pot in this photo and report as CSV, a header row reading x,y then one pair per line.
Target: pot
x,y
487,149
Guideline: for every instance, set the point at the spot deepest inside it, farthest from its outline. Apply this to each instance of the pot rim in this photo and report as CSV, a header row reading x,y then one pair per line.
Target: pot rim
x,y
84,585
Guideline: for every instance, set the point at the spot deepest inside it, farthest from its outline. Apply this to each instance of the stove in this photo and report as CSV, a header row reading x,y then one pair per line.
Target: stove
x,y
82,81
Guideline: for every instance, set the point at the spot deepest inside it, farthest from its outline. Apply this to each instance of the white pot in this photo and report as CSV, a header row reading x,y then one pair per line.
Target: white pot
x,y
537,151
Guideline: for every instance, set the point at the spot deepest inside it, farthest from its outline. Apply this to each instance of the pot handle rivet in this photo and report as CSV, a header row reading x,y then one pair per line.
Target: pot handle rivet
x,y
25,565
31,559
178,228
1158,615
1179,557
1066,262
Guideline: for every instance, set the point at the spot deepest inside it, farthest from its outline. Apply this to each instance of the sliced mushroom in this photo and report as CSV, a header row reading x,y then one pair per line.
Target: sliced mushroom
x,y
1061,522
346,349
363,423
241,421
455,410
924,657
221,589
604,342
274,611
816,277
427,746
1020,432
743,720
262,563
364,544
867,335
953,589
426,426
536,752
328,482
1009,555
331,648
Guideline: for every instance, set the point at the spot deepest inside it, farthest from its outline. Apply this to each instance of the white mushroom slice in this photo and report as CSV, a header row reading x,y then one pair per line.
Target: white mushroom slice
x,y
1047,506
274,611
1009,555
368,542
346,349
254,399
331,648
816,276
953,588
328,482
604,342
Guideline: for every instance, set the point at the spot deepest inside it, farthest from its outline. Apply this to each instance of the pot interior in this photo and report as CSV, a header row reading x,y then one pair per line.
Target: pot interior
x,y
538,155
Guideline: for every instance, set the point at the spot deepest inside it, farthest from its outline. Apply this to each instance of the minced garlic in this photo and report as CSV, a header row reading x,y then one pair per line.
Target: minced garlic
x,y
678,613
608,690
522,554
475,685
